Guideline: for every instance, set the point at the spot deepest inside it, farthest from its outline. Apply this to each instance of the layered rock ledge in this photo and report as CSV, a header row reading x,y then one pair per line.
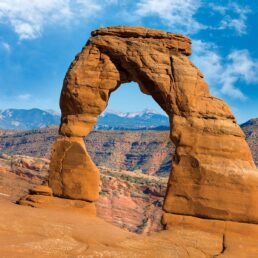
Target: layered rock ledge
x,y
175,41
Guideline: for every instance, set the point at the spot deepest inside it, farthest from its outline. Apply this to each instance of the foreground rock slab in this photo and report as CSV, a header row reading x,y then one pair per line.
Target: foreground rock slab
x,y
41,190
41,197
226,238
30,232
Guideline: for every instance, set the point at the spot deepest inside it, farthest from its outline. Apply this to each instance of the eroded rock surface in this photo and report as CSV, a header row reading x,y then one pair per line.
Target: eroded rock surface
x,y
213,173
29,232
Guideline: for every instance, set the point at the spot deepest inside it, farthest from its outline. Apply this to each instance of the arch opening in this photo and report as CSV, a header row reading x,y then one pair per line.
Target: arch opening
x,y
128,118
134,157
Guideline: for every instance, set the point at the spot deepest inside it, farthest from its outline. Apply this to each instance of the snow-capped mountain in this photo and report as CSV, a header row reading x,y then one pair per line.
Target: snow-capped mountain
x,y
27,119
145,120
145,112
36,118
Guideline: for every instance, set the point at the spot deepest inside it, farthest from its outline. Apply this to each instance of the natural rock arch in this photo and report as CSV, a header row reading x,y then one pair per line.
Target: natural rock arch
x,y
213,173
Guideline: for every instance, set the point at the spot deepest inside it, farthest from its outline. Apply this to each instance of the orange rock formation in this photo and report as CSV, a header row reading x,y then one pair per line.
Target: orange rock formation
x,y
53,233
213,174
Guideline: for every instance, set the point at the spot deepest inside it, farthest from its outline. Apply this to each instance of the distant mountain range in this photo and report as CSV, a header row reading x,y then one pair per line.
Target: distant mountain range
x,y
22,119
146,120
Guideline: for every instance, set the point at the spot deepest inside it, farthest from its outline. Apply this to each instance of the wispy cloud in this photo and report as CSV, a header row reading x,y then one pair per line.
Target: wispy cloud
x,y
25,96
223,74
240,66
28,18
177,13
234,16
183,15
6,47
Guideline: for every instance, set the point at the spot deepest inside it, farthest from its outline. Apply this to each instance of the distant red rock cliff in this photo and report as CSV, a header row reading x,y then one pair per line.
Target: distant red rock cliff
x,y
146,151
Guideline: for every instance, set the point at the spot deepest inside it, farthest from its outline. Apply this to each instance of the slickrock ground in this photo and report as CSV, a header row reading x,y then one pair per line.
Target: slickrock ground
x,y
35,232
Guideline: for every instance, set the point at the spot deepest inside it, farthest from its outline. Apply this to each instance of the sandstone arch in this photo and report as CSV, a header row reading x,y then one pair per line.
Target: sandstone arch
x,y
213,173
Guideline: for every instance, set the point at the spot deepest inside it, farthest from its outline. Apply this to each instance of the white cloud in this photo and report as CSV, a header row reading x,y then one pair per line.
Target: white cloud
x,y
29,17
224,74
181,15
112,1
240,66
25,96
234,17
26,30
206,57
7,48
242,63
177,14
218,8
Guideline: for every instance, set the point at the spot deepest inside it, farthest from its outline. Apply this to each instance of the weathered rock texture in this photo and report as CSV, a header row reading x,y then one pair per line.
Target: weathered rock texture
x,y
54,233
213,173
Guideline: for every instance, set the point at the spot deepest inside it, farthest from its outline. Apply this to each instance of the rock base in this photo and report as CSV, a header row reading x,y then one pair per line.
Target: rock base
x,y
41,197
185,236
214,237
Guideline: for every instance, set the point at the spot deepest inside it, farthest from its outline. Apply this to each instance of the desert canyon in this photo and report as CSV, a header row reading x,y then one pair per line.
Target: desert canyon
x,y
210,204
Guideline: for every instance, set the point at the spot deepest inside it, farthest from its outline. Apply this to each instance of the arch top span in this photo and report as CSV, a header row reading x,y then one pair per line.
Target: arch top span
x,y
175,41
212,163
156,60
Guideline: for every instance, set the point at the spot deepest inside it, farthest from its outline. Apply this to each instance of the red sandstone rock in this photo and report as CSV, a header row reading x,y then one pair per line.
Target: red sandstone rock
x,y
50,202
41,190
27,232
73,165
213,172
127,202
223,238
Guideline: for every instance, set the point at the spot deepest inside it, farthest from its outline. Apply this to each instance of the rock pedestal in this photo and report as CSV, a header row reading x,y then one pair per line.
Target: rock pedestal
x,y
41,197
213,173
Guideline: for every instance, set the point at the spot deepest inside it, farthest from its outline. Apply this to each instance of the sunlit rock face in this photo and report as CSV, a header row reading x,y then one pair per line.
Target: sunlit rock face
x,y
213,173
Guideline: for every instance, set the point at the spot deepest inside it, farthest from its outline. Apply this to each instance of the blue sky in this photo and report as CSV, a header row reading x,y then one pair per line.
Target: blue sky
x,y
39,39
